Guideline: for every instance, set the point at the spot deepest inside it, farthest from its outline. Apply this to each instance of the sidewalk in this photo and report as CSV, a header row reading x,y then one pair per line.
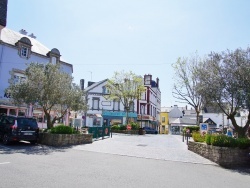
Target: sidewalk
x,y
160,147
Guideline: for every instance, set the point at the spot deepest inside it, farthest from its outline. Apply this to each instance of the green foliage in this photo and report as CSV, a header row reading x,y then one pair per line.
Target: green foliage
x,y
193,128
243,143
62,129
125,87
123,127
134,126
208,139
115,127
223,141
51,88
197,137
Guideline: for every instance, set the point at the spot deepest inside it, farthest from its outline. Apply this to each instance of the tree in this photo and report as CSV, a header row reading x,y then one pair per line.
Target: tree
x,y
49,87
225,80
186,81
125,87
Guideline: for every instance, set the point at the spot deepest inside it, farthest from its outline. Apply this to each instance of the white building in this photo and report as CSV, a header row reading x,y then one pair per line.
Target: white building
x,y
111,112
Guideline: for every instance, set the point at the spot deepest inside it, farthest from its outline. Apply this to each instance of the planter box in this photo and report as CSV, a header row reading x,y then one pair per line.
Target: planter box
x,y
224,156
64,139
128,131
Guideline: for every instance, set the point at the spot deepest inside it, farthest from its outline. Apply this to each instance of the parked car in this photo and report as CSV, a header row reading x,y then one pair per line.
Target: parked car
x,y
150,130
14,129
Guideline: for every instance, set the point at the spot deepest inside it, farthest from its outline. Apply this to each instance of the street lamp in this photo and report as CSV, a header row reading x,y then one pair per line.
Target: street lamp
x,y
141,116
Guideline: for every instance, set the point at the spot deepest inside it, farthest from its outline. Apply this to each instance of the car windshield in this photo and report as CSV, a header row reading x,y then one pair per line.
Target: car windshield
x,y
23,122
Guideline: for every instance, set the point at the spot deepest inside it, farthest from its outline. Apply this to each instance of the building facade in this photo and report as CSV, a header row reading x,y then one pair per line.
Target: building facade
x,y
102,111
149,106
17,50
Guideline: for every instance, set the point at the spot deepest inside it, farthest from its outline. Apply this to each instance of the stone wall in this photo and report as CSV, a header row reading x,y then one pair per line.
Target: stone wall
x,y
224,156
64,139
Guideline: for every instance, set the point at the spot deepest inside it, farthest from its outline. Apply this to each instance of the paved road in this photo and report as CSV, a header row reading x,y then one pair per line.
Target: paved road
x,y
121,161
161,147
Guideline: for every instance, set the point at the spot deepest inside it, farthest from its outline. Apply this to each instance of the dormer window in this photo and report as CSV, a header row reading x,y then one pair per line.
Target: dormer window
x,y
54,55
24,47
24,51
53,60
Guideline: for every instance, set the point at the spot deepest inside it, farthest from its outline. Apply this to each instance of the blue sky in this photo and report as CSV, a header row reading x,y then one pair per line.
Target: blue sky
x,y
145,36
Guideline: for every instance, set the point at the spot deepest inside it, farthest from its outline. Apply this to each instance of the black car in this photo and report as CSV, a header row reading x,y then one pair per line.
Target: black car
x,y
18,128
150,130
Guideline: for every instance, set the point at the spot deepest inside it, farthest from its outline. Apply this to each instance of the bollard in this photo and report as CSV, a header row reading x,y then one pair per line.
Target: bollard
x,y
187,138
182,136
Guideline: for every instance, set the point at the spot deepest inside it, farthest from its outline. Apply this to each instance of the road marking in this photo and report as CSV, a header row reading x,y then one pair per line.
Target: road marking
x,y
4,163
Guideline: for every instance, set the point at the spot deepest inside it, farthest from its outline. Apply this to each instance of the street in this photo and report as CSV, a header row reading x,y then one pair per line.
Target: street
x,y
120,161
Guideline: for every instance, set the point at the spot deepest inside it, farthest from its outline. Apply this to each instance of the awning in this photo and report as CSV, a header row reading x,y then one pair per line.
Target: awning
x,y
98,115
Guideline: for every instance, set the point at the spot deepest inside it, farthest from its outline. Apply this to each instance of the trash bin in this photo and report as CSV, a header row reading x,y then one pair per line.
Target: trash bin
x,y
141,131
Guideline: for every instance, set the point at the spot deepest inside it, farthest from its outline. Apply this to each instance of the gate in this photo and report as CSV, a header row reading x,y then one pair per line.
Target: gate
x,y
99,132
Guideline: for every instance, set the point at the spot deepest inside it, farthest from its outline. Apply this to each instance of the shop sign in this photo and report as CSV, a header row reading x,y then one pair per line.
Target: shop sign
x,y
121,114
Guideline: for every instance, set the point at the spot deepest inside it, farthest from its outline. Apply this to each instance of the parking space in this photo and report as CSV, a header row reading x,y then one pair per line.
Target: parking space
x,y
160,147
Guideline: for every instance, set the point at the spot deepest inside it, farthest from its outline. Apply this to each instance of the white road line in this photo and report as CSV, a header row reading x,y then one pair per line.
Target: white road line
x,y
4,163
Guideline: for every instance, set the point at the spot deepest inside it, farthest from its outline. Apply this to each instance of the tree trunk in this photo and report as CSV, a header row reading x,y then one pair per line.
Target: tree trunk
x,y
49,124
241,131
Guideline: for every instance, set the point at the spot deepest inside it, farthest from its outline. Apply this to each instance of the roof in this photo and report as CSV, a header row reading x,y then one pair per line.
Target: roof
x,y
187,121
11,37
95,85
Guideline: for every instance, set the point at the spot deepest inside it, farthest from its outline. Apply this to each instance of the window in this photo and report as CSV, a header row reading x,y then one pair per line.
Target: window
x,y
163,120
131,106
116,105
105,90
24,51
53,60
24,47
95,103
19,78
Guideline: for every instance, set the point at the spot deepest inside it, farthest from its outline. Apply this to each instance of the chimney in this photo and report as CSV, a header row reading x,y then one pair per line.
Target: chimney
x,y
157,82
23,31
82,84
32,36
3,12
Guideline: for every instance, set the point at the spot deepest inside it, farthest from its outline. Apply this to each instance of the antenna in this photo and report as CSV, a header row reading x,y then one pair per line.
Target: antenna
x,y
91,75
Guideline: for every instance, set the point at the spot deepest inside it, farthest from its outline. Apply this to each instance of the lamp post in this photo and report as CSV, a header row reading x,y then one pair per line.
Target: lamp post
x,y
141,129
141,116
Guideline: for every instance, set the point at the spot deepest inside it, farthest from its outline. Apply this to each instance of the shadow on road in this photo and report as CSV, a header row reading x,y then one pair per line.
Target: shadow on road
x,y
242,170
29,149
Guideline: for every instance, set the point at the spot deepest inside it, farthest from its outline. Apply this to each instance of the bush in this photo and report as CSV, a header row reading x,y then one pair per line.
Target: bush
x,y
243,143
193,128
208,139
223,141
134,126
115,127
198,137
123,127
62,129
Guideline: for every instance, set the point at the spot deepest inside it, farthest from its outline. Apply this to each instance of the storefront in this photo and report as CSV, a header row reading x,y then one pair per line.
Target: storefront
x,y
117,118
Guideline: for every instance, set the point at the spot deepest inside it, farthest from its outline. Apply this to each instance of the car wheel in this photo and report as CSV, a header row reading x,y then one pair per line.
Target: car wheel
x,y
6,139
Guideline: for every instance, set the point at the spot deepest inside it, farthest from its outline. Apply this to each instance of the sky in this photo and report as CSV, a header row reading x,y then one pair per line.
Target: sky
x,y
99,37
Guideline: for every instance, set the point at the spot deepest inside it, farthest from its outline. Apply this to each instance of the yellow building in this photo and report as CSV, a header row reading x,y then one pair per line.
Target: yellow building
x,y
164,123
